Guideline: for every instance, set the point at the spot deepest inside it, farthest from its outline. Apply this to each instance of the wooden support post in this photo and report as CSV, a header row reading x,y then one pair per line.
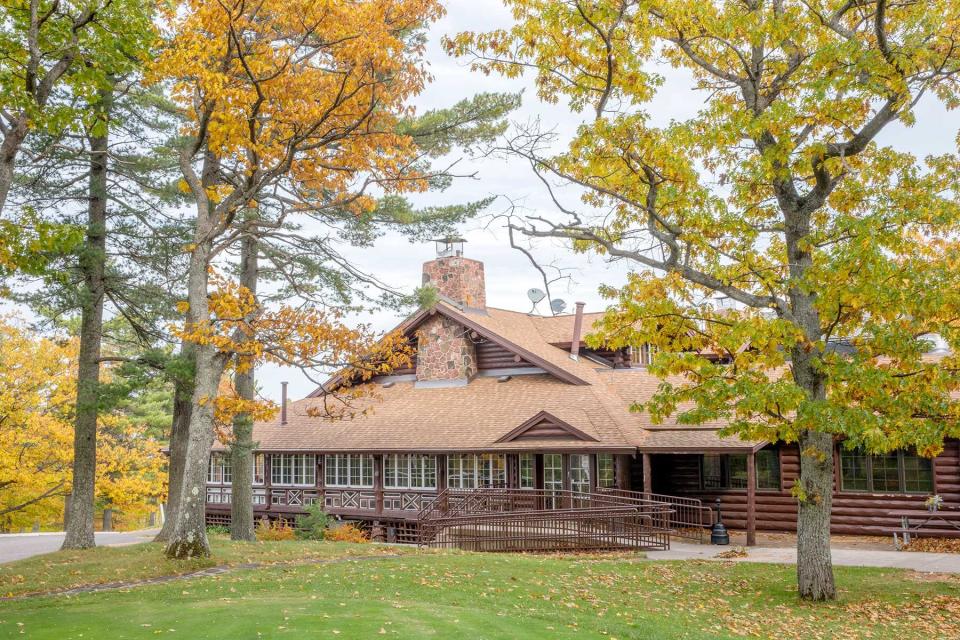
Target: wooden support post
x,y
622,467
751,499
378,483
647,473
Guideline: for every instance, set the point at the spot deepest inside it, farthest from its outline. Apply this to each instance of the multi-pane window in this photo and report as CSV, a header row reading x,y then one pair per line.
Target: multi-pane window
x,y
729,471
471,471
219,471
348,470
296,469
552,476
528,479
402,471
258,468
580,472
767,462
606,476
644,354
895,472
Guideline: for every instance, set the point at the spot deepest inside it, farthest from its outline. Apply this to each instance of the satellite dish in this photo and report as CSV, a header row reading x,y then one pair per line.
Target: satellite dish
x,y
535,295
557,305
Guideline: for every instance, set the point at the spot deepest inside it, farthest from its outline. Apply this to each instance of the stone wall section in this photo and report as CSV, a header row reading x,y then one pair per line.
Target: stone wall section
x,y
458,278
445,351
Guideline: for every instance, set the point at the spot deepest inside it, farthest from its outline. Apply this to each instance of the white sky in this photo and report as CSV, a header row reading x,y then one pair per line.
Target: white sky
x,y
508,273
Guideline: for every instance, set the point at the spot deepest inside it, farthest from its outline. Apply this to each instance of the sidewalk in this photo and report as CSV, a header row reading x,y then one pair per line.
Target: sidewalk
x,y
917,561
16,546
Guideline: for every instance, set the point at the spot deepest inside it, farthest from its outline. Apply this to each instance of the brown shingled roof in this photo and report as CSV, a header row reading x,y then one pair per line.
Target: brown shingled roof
x,y
589,397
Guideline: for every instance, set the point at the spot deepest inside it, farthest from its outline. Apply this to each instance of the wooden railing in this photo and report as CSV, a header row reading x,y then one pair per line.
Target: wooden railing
x,y
498,519
688,518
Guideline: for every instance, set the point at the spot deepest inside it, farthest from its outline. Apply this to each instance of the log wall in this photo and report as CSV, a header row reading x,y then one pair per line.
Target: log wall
x,y
853,512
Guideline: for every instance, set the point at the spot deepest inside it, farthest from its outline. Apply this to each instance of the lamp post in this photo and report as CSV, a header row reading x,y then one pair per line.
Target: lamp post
x,y
718,534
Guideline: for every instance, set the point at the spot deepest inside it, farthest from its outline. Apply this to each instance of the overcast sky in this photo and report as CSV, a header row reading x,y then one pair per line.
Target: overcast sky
x,y
508,273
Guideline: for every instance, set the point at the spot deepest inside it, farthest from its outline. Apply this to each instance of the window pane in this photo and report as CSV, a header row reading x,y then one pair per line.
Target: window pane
x,y
736,471
606,477
579,472
310,462
527,478
917,474
767,462
853,471
712,472
886,473
258,466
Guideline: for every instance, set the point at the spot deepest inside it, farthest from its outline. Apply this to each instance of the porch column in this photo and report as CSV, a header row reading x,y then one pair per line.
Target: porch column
x,y
378,483
622,467
751,500
647,473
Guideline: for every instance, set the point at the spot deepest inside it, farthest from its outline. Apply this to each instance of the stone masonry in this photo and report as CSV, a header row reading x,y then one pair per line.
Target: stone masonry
x,y
445,351
458,278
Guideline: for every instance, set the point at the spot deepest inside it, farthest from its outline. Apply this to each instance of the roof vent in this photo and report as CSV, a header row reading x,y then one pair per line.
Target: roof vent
x,y
449,246
504,378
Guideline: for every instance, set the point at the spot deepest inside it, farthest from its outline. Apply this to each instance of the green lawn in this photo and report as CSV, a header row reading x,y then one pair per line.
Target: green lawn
x,y
474,596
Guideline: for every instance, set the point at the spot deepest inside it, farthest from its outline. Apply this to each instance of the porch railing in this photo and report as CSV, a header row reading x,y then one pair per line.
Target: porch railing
x,y
689,518
497,519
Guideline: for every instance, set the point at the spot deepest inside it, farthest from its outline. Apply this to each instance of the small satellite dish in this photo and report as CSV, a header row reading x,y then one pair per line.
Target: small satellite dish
x,y
535,295
557,305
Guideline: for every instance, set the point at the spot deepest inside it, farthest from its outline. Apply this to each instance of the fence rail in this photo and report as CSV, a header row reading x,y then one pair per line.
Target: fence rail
x,y
500,519
688,519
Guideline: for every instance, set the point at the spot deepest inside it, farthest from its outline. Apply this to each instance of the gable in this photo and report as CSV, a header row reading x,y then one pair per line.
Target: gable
x,y
545,425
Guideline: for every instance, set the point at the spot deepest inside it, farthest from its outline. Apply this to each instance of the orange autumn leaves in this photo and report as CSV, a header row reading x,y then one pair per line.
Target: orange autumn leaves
x,y
298,337
37,405
311,90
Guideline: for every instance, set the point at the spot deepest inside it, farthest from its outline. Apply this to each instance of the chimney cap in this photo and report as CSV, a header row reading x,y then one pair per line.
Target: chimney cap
x,y
449,246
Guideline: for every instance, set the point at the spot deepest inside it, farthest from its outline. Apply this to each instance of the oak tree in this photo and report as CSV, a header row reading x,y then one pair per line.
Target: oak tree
x,y
776,197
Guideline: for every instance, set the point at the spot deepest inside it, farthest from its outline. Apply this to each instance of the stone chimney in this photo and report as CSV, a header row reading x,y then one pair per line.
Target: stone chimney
x,y
445,351
457,278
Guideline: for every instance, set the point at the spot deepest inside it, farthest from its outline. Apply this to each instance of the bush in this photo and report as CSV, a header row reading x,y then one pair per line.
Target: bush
x,y
313,525
277,530
348,533
217,530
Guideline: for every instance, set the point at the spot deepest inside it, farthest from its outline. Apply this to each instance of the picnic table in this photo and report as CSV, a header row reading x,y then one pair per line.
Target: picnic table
x,y
918,521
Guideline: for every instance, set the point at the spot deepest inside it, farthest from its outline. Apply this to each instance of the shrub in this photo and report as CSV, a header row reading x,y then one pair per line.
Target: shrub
x,y
277,530
313,525
348,533
218,530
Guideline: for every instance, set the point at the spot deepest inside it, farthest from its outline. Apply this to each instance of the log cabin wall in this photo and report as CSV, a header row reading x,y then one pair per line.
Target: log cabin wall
x,y
853,513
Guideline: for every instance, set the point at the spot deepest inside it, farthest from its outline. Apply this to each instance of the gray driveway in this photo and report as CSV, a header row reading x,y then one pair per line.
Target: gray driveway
x,y
16,546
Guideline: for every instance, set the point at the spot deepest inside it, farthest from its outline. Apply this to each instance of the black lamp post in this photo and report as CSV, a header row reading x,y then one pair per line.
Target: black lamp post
x,y
719,535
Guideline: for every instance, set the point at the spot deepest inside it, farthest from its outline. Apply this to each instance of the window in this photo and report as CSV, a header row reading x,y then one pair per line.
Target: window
x,y
258,468
409,472
552,476
606,476
580,472
470,470
348,470
895,472
767,462
219,471
527,478
729,470
297,469
644,354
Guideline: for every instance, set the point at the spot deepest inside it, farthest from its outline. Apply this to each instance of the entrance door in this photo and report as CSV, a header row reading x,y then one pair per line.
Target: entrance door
x,y
552,478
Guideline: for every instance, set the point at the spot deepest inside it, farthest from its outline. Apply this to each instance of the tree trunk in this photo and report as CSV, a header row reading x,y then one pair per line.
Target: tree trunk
x,y
79,534
241,452
183,390
814,564
9,148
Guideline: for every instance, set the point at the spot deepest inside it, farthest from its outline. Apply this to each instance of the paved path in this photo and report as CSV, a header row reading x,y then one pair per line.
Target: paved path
x,y
931,562
16,546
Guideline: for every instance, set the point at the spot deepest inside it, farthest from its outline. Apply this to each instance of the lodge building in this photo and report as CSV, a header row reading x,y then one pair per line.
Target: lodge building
x,y
498,398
